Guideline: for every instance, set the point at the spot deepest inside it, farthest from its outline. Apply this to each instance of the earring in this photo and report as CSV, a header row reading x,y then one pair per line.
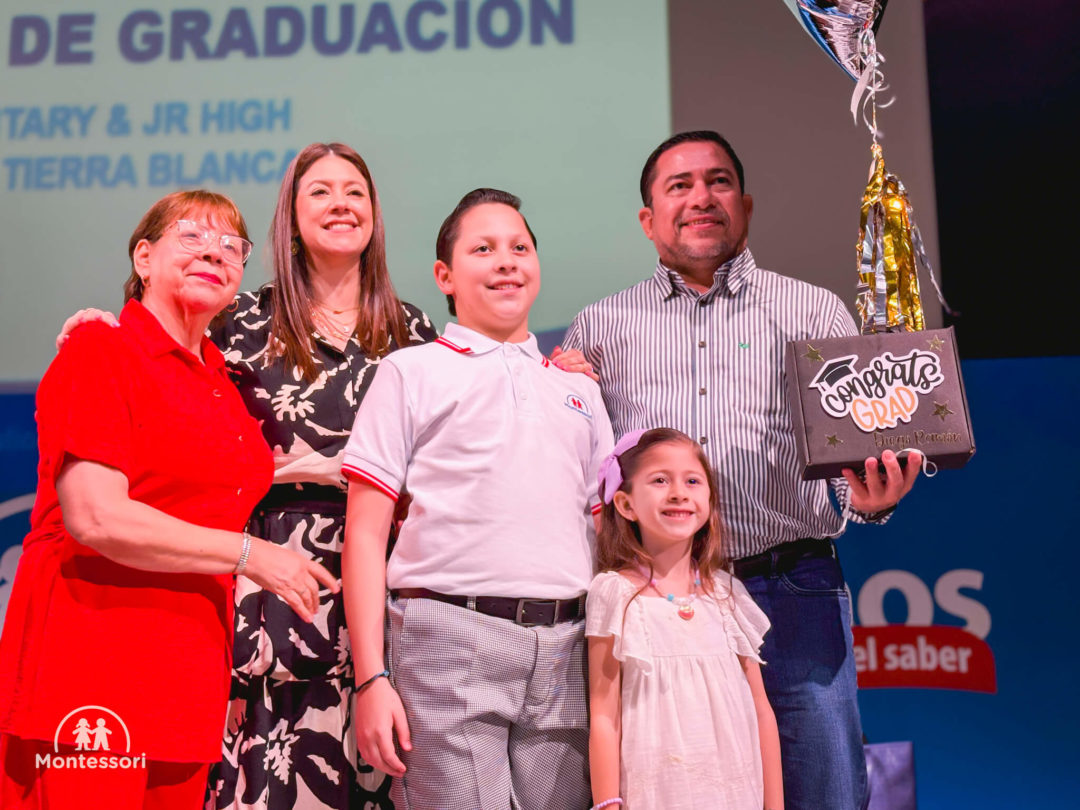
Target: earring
x,y
145,281
295,247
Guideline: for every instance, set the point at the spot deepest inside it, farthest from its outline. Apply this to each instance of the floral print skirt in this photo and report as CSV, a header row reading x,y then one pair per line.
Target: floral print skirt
x,y
289,741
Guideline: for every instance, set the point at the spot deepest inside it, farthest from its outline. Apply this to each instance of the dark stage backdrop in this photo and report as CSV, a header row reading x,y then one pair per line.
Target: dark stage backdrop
x,y
1004,95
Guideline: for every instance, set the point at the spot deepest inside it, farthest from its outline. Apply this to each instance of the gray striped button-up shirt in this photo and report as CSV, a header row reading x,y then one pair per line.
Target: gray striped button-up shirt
x,y
711,365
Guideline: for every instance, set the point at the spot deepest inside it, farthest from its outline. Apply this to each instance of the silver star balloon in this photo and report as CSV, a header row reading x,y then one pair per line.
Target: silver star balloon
x,y
837,25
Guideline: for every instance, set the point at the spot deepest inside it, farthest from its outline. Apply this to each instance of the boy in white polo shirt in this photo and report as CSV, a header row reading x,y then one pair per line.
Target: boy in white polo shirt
x,y
486,687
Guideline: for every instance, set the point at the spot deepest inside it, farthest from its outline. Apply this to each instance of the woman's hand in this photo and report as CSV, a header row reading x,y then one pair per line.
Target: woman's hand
x,y
573,361
237,713
379,714
81,317
290,575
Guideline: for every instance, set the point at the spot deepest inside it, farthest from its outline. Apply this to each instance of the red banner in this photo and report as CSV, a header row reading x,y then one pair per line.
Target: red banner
x,y
935,657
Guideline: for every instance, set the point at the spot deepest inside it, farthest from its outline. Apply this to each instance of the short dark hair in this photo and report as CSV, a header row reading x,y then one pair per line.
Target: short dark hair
x,y
448,233
648,173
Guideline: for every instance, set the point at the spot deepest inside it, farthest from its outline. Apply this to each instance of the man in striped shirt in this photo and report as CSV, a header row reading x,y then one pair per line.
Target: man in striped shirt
x,y
699,347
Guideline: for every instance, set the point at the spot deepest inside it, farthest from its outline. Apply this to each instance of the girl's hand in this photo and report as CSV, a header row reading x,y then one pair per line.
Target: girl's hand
x,y
379,715
81,317
768,736
574,362
292,576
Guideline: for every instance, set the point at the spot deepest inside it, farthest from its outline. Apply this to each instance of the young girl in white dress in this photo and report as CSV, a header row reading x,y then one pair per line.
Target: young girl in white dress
x,y
679,717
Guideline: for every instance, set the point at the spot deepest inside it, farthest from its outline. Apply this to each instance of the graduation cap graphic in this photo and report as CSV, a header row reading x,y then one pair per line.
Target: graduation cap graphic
x,y
834,371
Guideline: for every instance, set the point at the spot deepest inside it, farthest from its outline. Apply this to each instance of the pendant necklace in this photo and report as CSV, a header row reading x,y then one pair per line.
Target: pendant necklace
x,y
336,329
685,604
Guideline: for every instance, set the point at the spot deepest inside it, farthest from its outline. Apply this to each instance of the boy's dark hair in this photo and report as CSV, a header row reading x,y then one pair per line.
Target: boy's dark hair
x,y
648,173
448,233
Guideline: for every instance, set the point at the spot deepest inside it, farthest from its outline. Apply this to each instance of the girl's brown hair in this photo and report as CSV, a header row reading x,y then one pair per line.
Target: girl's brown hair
x,y
380,320
618,546
171,207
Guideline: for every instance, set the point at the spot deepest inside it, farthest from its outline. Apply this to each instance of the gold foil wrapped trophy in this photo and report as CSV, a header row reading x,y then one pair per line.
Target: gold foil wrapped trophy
x,y
890,250
897,386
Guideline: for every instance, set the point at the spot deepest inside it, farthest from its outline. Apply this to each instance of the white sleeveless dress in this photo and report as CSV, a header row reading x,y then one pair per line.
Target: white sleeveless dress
x,y
689,729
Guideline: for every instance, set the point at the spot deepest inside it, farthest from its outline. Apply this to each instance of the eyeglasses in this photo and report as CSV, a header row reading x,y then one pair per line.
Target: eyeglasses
x,y
195,237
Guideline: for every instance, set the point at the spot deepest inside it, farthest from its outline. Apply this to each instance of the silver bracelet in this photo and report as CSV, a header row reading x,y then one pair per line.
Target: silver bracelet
x,y
245,552
607,803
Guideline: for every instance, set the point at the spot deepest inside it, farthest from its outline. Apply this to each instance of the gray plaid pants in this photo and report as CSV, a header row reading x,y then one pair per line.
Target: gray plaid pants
x,y
497,712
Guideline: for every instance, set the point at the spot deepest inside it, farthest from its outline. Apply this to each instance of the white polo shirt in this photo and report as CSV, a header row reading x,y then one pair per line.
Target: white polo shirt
x,y
499,449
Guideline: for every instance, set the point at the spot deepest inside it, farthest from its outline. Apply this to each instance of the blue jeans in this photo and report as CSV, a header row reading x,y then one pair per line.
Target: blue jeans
x,y
810,679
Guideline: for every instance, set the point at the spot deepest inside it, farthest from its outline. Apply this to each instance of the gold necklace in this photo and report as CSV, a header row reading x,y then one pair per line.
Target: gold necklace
x,y
325,308
336,329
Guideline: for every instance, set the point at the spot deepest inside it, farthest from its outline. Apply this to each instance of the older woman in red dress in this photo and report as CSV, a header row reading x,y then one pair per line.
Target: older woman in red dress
x,y
114,662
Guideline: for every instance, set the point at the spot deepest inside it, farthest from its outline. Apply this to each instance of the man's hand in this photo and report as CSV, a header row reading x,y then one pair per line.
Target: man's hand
x,y
81,317
877,493
574,362
378,716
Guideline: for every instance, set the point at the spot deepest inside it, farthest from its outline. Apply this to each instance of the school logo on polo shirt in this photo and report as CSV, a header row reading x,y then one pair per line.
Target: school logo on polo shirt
x,y
91,737
576,403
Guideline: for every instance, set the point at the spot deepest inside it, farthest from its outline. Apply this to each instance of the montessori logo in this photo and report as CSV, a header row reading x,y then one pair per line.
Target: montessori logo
x,y
576,403
882,394
100,740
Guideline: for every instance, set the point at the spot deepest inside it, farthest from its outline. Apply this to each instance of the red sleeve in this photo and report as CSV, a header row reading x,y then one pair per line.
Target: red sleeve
x,y
84,406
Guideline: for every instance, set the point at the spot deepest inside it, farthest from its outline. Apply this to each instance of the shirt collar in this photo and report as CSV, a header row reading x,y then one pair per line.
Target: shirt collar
x,y
469,341
155,341
731,275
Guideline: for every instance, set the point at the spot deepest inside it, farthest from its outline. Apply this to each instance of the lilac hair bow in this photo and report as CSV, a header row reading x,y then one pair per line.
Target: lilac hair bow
x,y
610,472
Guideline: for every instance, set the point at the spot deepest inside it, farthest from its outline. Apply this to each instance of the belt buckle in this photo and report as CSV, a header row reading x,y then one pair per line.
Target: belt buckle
x,y
519,614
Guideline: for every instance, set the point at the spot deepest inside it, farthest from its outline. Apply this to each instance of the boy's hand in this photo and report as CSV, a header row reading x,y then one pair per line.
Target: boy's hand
x,y
574,362
379,715
81,317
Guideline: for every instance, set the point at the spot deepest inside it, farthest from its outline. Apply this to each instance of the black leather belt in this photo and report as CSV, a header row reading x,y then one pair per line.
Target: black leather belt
x,y
526,612
319,499
782,558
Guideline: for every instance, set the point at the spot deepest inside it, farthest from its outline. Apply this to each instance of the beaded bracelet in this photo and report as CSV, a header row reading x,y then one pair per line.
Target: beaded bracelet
x,y
245,552
384,674
607,803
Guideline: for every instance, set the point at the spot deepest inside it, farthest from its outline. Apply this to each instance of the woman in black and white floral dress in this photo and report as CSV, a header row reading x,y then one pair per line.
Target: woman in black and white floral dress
x,y
303,351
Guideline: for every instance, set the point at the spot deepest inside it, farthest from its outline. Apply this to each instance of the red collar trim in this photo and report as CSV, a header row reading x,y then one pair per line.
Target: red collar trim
x,y
451,345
